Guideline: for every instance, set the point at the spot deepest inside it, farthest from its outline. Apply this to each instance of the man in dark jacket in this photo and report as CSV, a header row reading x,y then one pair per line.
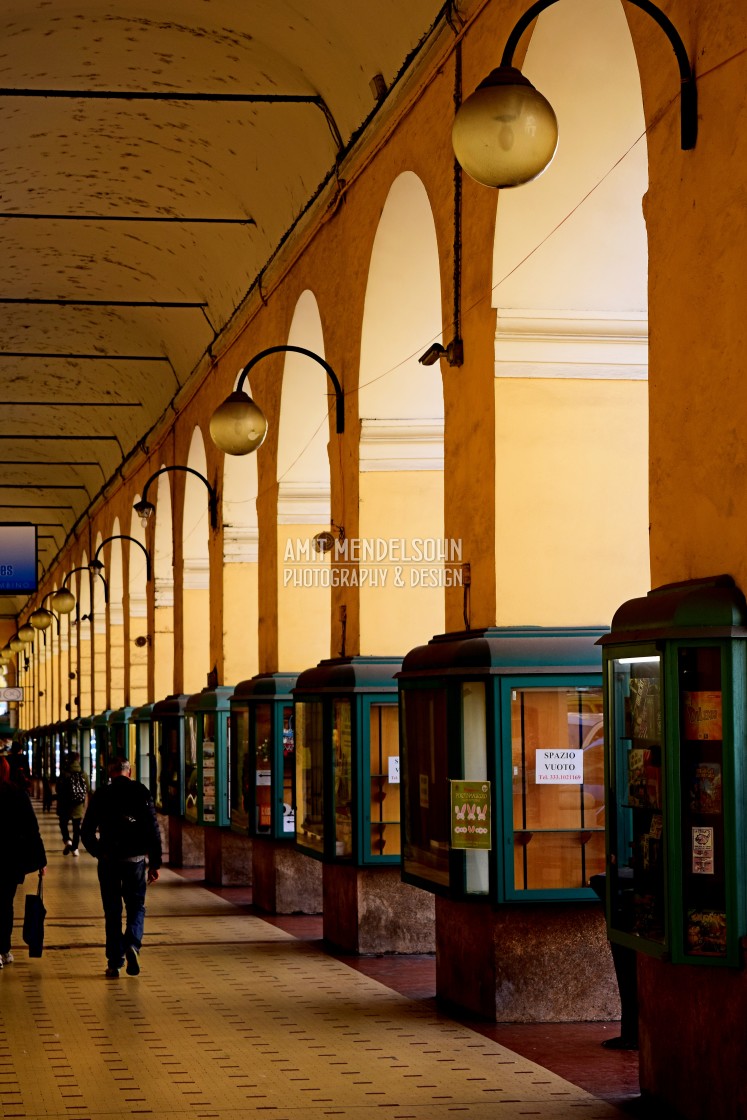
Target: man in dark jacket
x,y
121,830
22,848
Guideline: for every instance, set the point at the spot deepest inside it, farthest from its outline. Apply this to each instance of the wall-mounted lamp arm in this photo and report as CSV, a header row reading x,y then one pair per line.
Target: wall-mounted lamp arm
x,y
688,91
339,395
90,570
124,537
212,492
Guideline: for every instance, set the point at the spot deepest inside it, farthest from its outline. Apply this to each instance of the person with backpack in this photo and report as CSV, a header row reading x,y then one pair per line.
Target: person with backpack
x,y
120,829
73,788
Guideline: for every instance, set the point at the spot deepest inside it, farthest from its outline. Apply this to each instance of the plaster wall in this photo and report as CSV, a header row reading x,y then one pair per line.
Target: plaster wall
x,y
571,527
303,617
195,639
404,611
240,621
163,653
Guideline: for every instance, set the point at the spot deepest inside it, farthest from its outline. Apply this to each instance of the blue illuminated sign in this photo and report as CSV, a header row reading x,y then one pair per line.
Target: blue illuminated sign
x,y
17,558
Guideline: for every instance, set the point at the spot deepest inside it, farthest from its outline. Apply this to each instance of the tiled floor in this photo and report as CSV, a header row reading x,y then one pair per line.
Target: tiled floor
x,y
234,1017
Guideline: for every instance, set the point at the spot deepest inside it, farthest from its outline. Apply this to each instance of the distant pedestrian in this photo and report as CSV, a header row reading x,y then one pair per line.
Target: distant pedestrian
x,y
73,789
48,794
120,829
22,848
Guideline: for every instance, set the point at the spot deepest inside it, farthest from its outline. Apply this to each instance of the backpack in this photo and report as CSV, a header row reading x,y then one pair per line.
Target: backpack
x,y
127,820
78,788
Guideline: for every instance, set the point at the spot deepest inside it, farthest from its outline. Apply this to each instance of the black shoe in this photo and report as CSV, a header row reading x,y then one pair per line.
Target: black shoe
x,y
112,973
133,964
620,1043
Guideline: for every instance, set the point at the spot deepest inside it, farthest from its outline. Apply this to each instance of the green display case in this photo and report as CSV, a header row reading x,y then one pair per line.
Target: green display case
x,y
121,737
503,764
675,685
206,757
347,806
145,759
70,735
87,748
262,756
168,750
100,743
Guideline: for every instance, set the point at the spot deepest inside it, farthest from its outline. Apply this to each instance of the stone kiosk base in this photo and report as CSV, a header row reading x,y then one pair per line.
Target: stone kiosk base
x,y
370,910
228,857
539,963
693,1039
186,843
283,880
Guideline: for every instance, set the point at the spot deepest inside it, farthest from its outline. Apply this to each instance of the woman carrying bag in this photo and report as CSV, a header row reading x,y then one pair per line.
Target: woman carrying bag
x,y
22,848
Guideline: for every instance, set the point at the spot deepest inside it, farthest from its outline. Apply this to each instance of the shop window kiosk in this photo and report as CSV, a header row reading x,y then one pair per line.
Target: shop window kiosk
x,y
206,801
121,738
182,839
504,818
100,736
675,667
347,806
263,759
145,760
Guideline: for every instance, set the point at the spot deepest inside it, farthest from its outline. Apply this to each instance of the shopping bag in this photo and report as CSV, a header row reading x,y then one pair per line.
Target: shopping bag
x,y
33,922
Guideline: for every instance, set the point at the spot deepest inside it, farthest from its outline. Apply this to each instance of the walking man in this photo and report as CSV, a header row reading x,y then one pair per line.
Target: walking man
x,y
121,830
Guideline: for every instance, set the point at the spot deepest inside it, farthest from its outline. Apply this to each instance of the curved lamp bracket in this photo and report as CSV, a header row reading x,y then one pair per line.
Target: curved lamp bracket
x,y
97,565
339,396
86,568
212,493
688,92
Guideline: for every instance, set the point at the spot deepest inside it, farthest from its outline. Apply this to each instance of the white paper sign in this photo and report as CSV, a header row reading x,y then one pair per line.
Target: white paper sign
x,y
559,768
394,769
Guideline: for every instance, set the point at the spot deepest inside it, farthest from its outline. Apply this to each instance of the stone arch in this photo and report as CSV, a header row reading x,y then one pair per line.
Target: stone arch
x,y
195,652
304,602
402,422
100,600
240,568
163,591
136,655
116,618
570,290
84,639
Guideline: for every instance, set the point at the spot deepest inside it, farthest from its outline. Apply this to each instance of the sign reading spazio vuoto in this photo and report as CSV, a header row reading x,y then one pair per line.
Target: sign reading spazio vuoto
x,y
470,814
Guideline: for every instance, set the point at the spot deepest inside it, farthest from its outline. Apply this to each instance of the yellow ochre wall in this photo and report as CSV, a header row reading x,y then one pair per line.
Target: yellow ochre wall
x,y
572,499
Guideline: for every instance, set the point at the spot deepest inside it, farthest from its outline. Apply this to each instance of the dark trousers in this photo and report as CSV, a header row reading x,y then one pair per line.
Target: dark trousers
x,y
76,822
626,970
123,886
7,894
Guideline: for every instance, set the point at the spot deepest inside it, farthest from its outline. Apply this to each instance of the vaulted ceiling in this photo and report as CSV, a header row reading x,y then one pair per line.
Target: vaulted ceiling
x,y
154,155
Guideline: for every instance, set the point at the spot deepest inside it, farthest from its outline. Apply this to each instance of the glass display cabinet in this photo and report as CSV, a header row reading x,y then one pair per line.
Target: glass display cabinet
x,y
347,806
262,756
121,736
168,749
676,721
145,759
517,712
347,761
206,757
100,738
183,839
88,756
503,817
70,736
